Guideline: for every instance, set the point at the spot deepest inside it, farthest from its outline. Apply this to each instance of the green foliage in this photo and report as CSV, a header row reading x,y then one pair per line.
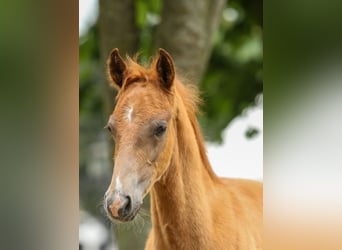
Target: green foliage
x,y
234,75
88,73
147,18
90,90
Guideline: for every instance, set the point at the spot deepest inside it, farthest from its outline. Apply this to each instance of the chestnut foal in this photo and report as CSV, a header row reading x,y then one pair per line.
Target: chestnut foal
x,y
159,150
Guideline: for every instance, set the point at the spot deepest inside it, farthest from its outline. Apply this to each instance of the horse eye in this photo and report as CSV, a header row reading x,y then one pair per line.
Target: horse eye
x,y
160,130
108,127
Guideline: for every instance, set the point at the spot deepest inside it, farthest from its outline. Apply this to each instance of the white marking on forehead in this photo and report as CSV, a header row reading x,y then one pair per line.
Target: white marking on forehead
x,y
129,113
118,184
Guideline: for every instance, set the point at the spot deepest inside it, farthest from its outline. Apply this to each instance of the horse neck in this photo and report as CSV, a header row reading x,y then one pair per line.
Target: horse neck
x,y
179,199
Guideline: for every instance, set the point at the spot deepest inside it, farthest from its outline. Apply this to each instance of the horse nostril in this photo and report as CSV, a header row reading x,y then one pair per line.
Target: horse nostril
x,y
125,209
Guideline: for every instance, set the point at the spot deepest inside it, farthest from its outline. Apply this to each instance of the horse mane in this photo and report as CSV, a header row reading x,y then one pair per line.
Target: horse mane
x,y
188,92
190,96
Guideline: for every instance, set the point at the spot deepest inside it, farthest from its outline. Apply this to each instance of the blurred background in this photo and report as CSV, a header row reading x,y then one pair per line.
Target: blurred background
x,y
216,44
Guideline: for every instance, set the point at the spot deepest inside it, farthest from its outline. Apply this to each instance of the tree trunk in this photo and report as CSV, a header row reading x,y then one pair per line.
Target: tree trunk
x,y
117,30
186,31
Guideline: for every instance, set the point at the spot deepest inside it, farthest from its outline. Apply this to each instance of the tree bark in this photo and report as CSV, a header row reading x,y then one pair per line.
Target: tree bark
x,y
186,31
117,29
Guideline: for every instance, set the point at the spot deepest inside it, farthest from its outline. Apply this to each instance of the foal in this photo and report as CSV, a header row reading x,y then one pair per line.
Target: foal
x,y
159,149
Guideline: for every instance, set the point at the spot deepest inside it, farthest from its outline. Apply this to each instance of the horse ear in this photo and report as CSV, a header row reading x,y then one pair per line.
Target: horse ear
x,y
165,69
116,68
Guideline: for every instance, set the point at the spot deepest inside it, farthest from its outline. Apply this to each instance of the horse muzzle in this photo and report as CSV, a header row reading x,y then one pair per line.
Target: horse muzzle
x,y
120,207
